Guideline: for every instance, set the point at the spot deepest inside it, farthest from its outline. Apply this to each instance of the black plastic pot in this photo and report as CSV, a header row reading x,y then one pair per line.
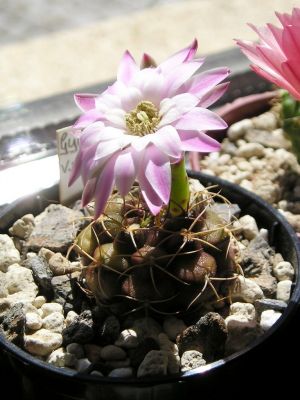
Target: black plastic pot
x,y
243,373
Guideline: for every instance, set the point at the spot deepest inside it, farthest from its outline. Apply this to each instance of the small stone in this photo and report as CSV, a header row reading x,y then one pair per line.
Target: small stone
x,y
71,316
41,274
238,129
127,339
121,373
139,353
268,318
13,324
250,150
23,227
154,364
246,290
269,304
60,358
55,228
207,336
284,290
8,253
76,349
54,322
42,342
60,265
249,226
191,359
82,365
39,301
45,253
20,284
112,352
242,315
146,327
33,321
172,351
110,330
92,352
80,330
173,327
49,308
284,271
266,121
96,373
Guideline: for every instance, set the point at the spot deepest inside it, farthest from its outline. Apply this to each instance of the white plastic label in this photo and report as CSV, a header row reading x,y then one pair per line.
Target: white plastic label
x,y
67,148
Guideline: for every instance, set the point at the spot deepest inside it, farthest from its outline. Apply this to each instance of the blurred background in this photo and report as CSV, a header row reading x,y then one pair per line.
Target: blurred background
x,y
52,46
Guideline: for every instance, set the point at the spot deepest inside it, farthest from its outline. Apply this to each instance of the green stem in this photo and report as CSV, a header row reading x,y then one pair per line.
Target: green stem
x,y
290,113
180,192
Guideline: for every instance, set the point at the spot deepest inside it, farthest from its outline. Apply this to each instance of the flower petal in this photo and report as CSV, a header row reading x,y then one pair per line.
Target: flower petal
x,y
104,186
206,81
88,192
179,57
213,95
180,74
171,109
167,140
85,101
198,141
88,118
200,119
125,171
157,170
127,68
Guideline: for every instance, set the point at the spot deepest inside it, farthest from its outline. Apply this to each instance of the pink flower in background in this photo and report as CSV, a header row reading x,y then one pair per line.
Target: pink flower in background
x,y
142,124
277,56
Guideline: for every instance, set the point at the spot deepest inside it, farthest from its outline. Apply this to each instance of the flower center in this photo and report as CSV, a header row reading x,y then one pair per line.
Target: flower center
x,y
143,119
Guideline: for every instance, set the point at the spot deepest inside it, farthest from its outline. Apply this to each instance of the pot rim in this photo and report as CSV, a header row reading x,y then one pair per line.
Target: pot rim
x,y
11,349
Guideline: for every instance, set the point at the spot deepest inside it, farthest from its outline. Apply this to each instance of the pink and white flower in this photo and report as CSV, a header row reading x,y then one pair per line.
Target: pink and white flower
x,y
142,124
276,56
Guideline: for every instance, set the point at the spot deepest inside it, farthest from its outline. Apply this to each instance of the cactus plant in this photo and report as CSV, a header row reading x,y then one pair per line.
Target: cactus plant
x,y
154,244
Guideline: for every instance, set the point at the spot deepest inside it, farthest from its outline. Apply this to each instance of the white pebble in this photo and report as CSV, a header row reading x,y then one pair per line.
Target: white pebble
x,y
284,290
246,290
191,359
242,315
171,349
33,321
54,322
42,342
237,130
284,271
154,364
8,253
96,373
49,308
60,358
39,301
268,318
70,317
127,339
250,150
249,226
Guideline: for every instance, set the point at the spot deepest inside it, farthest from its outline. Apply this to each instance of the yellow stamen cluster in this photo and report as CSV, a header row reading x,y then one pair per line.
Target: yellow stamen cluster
x,y
143,119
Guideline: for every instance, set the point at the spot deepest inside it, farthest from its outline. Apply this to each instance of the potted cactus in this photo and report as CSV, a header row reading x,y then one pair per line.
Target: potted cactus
x,y
157,246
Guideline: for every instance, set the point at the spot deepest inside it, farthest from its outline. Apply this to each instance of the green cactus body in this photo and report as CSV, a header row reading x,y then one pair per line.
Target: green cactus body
x,y
290,113
175,264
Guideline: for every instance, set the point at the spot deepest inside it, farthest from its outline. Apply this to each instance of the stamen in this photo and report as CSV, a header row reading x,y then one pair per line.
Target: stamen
x,y
143,119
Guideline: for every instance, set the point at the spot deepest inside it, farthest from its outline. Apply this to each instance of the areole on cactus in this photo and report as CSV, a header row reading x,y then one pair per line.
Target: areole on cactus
x,y
155,244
